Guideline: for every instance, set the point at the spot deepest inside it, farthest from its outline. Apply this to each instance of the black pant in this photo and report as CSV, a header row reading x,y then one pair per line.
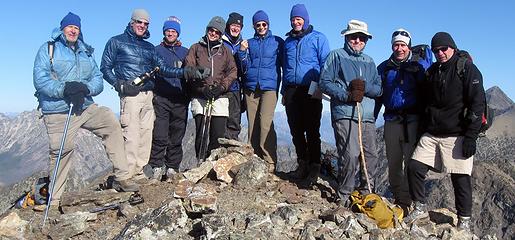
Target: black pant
x,y
461,183
304,113
169,128
216,130
234,120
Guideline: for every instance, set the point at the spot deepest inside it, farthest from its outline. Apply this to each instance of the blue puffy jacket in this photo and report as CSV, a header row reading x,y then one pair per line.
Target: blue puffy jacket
x,y
68,65
402,84
263,60
305,56
342,66
174,56
130,56
235,47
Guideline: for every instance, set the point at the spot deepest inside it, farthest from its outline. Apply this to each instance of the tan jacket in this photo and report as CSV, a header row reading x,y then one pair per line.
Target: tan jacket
x,y
219,59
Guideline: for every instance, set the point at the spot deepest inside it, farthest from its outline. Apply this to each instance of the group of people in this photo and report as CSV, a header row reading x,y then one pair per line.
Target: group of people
x,y
432,110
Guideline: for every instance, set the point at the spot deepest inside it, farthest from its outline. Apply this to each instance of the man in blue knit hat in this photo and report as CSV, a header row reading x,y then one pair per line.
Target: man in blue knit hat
x,y
170,107
65,72
303,110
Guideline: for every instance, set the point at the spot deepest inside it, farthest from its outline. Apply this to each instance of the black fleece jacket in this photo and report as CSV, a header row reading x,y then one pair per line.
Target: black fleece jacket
x,y
455,104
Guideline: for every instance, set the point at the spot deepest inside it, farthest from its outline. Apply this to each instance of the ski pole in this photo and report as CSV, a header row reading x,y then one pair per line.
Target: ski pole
x,y
205,130
362,152
56,168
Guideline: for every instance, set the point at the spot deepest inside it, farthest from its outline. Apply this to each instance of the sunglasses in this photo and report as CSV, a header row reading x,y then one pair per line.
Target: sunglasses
x,y
402,33
361,37
258,25
141,22
215,31
443,49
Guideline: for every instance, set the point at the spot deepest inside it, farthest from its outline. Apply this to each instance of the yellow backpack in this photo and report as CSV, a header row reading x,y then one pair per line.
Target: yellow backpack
x,y
376,208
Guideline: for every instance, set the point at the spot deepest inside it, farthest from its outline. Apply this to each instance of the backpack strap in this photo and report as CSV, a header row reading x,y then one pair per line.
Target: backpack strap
x,y
51,45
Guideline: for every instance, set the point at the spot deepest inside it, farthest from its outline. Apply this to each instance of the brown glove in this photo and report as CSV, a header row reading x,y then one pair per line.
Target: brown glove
x,y
357,90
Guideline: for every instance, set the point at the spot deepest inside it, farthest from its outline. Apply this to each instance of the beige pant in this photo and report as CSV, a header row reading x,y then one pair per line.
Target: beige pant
x,y
443,154
260,115
137,120
102,122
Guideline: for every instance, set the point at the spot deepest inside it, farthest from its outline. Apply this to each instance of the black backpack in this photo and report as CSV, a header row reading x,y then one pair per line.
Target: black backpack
x,y
487,116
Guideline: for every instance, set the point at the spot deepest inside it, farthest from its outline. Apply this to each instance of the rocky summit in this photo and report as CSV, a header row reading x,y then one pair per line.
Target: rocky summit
x,y
230,196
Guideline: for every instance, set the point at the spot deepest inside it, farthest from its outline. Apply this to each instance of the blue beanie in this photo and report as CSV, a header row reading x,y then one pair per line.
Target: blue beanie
x,y
260,16
70,19
299,10
172,22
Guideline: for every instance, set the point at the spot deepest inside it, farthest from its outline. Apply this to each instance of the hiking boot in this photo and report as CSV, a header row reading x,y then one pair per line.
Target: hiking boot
x,y
419,212
464,223
301,172
313,174
170,172
154,172
125,186
344,202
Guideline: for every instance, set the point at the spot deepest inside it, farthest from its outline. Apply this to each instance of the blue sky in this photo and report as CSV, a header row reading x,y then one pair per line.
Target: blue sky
x,y
483,28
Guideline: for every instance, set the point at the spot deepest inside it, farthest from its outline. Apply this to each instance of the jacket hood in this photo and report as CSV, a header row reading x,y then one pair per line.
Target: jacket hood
x,y
58,36
131,33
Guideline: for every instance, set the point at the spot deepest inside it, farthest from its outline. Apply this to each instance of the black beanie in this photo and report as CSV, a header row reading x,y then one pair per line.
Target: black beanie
x,y
235,17
442,39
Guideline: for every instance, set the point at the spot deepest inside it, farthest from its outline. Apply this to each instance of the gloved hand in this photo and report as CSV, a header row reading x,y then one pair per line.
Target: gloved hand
x,y
213,91
75,92
357,90
205,71
469,147
191,73
124,88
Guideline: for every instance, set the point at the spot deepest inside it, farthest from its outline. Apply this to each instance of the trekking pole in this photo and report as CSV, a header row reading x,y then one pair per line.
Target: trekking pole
x,y
56,168
205,130
362,152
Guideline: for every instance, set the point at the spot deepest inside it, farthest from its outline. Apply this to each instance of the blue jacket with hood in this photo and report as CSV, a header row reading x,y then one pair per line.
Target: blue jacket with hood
x,y
68,65
263,60
305,55
126,56
342,66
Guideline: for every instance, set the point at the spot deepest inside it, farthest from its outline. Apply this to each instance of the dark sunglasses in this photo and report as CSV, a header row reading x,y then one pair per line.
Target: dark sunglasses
x,y
141,22
361,37
258,25
443,49
402,33
215,31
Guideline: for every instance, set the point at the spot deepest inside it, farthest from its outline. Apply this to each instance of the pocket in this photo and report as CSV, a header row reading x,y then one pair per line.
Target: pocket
x,y
124,114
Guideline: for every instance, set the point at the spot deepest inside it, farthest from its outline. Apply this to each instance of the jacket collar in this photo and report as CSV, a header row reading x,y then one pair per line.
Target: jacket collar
x,y
267,34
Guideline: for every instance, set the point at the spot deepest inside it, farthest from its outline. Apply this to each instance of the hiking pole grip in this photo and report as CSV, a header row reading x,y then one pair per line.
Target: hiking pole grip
x,y
56,167
361,150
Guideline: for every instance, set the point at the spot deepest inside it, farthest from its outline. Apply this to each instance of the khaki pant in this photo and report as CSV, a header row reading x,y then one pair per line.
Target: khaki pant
x,y
102,122
443,154
260,115
137,120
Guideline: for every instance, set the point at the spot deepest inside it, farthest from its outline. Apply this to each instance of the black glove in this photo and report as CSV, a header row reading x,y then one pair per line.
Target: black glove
x,y
469,147
75,92
357,90
205,71
191,73
124,88
213,91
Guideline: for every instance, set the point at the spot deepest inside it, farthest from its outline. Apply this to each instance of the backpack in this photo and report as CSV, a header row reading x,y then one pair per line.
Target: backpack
x,y
377,209
486,117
